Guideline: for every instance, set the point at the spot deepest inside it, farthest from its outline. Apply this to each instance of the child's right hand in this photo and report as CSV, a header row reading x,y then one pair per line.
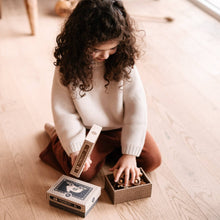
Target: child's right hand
x,y
87,163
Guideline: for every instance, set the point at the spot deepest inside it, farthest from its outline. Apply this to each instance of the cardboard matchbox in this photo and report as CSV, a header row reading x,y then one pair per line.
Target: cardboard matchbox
x,y
73,195
86,150
128,193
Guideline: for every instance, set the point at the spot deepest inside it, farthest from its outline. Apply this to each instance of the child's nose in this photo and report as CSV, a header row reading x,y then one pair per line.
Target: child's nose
x,y
105,55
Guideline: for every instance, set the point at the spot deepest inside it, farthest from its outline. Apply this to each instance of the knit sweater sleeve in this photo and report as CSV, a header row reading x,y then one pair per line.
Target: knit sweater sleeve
x,y
135,116
69,127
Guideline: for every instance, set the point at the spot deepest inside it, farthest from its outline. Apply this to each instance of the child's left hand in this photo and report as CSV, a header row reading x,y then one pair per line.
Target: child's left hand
x,y
128,165
87,163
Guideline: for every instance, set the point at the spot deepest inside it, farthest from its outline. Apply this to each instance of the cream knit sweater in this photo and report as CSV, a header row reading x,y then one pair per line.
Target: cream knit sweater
x,y
122,105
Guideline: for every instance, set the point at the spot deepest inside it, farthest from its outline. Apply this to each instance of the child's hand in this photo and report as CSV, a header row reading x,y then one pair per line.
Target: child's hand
x,y
128,165
87,163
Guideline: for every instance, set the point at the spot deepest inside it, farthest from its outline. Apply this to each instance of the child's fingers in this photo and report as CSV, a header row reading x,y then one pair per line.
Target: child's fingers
x,y
89,160
138,172
127,174
73,157
133,175
87,164
117,176
86,167
114,167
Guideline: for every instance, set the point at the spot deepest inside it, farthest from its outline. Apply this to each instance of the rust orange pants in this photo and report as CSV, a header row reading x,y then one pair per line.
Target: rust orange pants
x,y
108,145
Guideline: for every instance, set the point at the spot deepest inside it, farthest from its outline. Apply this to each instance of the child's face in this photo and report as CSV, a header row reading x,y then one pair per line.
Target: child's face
x,y
102,51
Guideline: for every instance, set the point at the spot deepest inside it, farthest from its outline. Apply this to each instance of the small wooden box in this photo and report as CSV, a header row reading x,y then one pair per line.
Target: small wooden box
x,y
129,193
73,195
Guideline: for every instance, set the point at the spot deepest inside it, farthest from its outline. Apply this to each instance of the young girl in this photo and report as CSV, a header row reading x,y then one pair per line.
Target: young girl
x,y
96,82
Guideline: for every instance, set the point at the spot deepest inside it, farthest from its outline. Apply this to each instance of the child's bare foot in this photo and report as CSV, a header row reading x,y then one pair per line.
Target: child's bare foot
x,y
50,129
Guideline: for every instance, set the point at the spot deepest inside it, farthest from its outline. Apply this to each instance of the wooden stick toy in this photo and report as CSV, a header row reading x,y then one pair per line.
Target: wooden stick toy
x,y
153,18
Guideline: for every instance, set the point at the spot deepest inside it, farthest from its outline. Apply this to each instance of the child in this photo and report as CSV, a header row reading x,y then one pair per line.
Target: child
x,y
96,82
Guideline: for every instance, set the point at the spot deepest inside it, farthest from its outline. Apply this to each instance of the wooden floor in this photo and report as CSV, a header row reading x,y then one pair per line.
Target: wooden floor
x,y
181,74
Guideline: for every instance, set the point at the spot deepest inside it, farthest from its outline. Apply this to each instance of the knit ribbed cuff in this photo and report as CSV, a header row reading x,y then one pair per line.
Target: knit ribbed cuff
x,y
132,150
74,147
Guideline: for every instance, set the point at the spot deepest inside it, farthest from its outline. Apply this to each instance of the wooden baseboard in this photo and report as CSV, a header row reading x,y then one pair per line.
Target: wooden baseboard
x,y
208,7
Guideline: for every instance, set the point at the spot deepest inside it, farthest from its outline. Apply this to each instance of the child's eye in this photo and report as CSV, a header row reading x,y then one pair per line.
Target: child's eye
x,y
114,48
96,50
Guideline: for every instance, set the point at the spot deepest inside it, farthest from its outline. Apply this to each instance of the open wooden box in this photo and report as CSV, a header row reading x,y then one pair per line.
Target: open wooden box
x,y
129,193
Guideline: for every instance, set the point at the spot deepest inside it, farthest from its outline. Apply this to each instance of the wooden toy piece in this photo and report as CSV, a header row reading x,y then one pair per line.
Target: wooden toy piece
x,y
86,150
154,18
120,183
63,8
73,195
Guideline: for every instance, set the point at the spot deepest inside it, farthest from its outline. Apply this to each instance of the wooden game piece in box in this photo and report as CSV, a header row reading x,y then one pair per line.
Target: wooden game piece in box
x,y
128,193
73,195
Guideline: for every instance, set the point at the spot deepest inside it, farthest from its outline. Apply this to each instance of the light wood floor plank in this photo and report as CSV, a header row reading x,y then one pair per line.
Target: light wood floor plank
x,y
10,183
185,163
177,200
15,208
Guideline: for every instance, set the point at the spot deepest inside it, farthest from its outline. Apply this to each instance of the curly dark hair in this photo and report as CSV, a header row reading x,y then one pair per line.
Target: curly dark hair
x,y
90,23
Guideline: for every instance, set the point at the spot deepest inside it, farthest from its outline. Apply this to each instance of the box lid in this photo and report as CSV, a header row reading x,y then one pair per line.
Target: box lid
x,y
75,190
